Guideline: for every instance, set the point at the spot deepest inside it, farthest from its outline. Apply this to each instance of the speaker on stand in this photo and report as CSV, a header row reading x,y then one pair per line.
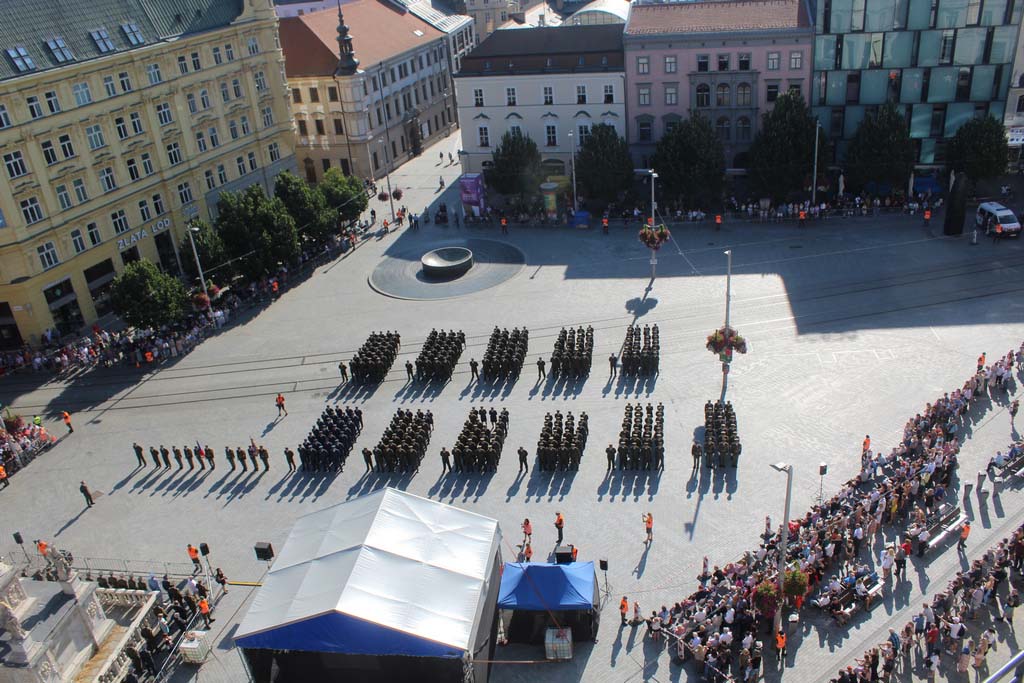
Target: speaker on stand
x,y
822,471
607,591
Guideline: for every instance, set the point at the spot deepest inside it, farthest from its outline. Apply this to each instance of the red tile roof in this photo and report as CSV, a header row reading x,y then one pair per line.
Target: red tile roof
x,y
716,17
379,30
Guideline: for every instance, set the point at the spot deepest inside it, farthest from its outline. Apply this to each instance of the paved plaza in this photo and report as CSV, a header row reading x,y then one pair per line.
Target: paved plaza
x,y
853,326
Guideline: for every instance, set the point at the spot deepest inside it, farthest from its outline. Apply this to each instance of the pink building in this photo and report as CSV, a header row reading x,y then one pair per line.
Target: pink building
x,y
726,60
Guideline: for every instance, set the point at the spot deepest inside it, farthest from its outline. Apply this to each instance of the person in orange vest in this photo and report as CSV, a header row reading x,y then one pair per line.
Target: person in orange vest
x,y
965,531
504,225
981,361
149,356
67,420
193,554
927,216
780,645
575,552
3,477
718,221
275,287
280,405
803,218
867,443
204,611
604,225
42,547
527,552
559,525
998,233
385,226
624,609
649,526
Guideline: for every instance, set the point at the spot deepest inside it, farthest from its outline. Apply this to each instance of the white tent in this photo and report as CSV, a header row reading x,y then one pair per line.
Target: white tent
x,y
386,574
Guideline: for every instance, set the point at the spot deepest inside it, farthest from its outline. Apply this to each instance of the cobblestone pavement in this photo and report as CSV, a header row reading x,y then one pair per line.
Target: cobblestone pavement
x,y
853,326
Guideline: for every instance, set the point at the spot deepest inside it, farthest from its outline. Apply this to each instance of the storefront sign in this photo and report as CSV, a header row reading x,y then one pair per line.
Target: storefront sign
x,y
131,240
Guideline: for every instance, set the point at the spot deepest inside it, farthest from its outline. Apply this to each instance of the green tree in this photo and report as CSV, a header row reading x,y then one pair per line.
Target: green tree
x,y
979,149
256,230
146,297
211,252
782,154
306,205
604,168
881,150
516,170
690,162
344,194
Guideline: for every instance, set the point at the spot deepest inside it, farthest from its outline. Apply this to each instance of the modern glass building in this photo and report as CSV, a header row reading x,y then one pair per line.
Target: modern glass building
x,y
942,61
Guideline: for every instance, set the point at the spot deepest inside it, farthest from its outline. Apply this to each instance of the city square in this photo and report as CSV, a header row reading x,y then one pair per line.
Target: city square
x,y
853,325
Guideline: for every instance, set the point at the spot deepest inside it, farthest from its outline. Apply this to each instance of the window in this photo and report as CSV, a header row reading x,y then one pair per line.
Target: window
x,y
47,255
268,117
773,61
133,170
794,87
184,193
584,132
338,129
703,63
121,126
253,163
77,241
225,93
163,114
743,95
217,57
314,95
483,136
743,61
261,81
644,130
49,153
182,64
147,163
200,141
1020,104
244,121
240,165
515,129
643,65
236,87
144,213
214,136
670,126
196,63
510,97
126,81
703,95
549,95
254,47
609,94
551,135
153,72
222,175
133,34
107,180
796,60
723,62
319,126
233,129
174,154
772,92
722,128
63,197
229,52
581,94
83,95
22,61
5,117
644,95
303,129
93,231
35,109
108,86
15,163
191,100
332,94
158,204
81,194
274,151
722,95
671,65
671,94
52,103
211,182
136,121
120,221
94,136
31,211
204,98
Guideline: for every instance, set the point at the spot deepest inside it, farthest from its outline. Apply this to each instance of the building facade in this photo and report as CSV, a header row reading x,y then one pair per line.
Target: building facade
x,y
118,123
390,96
942,61
551,84
1013,118
726,61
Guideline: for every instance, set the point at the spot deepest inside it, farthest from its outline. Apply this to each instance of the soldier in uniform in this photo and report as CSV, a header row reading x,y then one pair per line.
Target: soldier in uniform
x,y
166,455
189,457
230,455
155,455
289,456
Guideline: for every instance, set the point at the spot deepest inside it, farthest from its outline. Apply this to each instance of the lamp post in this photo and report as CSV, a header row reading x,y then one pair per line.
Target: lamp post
x,y
814,178
575,204
192,228
654,254
784,544
728,284
387,174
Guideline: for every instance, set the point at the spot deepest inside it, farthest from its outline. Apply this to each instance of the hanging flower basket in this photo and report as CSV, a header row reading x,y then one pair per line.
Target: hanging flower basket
x,y
397,194
653,238
726,338
383,196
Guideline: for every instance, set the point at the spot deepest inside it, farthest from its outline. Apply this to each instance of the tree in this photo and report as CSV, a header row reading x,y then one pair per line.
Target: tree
x,y
344,194
516,169
306,205
146,297
881,150
604,168
211,252
257,230
782,154
979,149
690,163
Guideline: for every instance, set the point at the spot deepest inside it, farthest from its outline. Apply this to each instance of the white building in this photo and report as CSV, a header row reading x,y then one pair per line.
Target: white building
x,y
1013,118
551,84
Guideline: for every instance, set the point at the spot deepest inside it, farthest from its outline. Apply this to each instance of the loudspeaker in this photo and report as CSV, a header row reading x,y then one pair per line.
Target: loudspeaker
x,y
264,551
204,549
18,539
603,564
563,555
822,469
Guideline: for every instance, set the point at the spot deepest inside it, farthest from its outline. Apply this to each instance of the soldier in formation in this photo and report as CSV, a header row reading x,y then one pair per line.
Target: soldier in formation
x,y
404,442
439,354
640,353
505,353
722,446
376,356
642,438
574,351
331,439
562,442
199,457
478,448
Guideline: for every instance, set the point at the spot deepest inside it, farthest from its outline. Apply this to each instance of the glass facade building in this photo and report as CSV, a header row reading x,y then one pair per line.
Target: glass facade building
x,y
942,61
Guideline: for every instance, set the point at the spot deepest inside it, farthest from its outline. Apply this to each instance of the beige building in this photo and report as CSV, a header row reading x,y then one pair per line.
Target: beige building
x,y
370,95
119,122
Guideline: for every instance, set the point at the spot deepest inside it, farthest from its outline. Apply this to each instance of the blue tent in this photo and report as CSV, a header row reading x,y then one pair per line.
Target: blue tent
x,y
548,587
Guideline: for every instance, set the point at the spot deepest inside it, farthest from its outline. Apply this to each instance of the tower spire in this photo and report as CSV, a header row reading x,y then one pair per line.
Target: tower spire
x,y
347,62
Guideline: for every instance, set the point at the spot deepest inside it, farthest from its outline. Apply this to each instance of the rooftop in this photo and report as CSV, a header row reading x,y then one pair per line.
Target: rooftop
x,y
717,17
549,41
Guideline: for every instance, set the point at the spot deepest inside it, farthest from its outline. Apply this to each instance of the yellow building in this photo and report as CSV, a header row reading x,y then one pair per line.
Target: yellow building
x,y
119,122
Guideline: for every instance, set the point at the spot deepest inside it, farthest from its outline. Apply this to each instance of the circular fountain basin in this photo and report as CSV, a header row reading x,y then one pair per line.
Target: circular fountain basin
x,y
446,263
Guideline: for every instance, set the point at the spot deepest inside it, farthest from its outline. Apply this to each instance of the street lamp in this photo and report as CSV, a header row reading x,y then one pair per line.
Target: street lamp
x,y
728,284
387,174
654,254
814,178
193,228
784,544
575,205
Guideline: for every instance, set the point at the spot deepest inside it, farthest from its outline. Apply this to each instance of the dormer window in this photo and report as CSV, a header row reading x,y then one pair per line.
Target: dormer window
x,y
102,40
133,34
19,56
60,50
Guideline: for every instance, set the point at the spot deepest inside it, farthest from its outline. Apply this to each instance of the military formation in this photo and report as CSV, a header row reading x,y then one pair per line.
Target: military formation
x,y
641,352
478,448
562,442
438,356
330,441
403,444
574,352
375,357
641,439
722,446
203,457
505,354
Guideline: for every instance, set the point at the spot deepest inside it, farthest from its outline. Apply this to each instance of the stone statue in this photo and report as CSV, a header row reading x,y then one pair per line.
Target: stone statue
x,y
60,564
10,622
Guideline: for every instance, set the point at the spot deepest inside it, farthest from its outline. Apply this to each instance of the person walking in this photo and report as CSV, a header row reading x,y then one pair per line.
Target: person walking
x,y
780,645
289,456
474,369
67,420
193,554
523,466
965,531
280,405
139,454
559,526
204,611
541,373
344,371
221,580
1014,407
86,494
624,609
648,526
527,531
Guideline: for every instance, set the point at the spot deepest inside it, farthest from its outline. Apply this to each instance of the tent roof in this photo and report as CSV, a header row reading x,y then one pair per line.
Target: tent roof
x,y
554,587
387,573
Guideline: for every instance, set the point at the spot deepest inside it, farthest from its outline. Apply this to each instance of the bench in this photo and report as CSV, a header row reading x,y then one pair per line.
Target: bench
x,y
949,519
854,604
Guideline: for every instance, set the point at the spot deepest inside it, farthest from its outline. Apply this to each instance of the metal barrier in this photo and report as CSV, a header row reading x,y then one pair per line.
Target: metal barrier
x,y
1015,667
